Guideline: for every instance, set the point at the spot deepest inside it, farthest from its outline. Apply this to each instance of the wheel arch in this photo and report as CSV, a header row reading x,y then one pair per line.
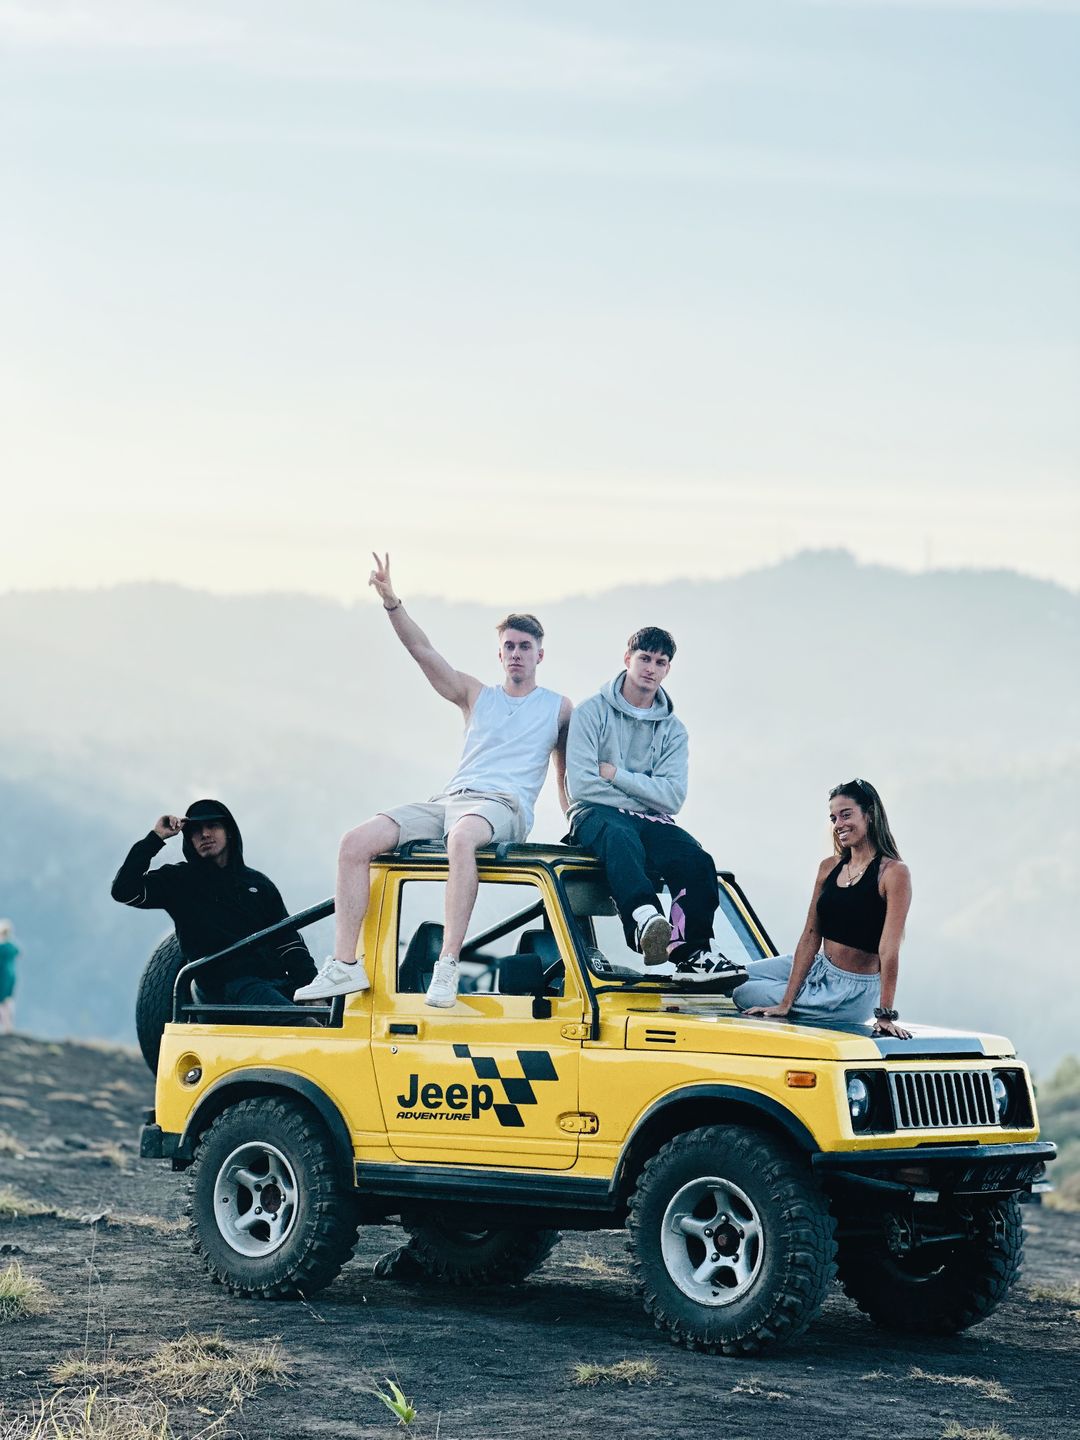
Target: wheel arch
x,y
699,1105
247,1084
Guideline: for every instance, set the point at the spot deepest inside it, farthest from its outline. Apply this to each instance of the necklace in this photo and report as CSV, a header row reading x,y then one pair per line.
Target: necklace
x,y
854,876
512,704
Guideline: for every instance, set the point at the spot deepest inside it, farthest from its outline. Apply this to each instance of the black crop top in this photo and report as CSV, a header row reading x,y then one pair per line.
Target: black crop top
x,y
853,916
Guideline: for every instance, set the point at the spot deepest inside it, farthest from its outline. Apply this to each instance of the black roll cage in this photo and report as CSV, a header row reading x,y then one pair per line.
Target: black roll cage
x,y
537,857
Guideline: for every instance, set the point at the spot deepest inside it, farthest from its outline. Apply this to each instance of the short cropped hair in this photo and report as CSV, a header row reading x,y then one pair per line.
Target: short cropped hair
x,y
651,637
528,623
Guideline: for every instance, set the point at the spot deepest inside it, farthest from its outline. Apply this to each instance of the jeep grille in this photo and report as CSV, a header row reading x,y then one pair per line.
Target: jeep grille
x,y
942,1099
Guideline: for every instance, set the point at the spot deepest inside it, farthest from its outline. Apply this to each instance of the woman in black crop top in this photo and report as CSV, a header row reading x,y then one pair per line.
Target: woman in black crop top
x,y
846,962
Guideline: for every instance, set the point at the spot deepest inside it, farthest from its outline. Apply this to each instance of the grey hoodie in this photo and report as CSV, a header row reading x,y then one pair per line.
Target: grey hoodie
x,y
649,753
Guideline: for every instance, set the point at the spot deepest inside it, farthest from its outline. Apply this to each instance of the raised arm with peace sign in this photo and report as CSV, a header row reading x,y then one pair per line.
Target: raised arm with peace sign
x,y
453,685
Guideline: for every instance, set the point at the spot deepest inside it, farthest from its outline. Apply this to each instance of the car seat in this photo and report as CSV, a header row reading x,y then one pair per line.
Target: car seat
x,y
425,947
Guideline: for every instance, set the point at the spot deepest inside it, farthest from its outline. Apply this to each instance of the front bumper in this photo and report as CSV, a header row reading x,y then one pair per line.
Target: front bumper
x,y
944,1169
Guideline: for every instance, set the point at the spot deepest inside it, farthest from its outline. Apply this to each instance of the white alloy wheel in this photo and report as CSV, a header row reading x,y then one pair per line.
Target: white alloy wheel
x,y
255,1199
712,1241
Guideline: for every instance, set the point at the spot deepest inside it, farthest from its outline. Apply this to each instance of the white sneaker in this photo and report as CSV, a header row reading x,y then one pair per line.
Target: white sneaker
x,y
442,992
653,939
334,978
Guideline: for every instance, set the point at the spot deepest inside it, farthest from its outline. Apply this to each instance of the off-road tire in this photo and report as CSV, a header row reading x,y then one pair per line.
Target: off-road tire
x,y
322,1233
942,1288
792,1264
154,1000
452,1256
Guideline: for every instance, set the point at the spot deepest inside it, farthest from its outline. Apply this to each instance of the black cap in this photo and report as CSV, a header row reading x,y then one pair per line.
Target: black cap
x,y
207,810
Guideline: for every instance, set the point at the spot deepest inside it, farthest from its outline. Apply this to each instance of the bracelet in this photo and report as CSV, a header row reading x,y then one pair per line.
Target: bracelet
x,y
882,1014
391,608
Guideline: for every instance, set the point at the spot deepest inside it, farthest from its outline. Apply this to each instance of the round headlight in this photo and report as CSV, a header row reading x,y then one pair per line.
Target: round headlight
x,y
1002,1093
858,1099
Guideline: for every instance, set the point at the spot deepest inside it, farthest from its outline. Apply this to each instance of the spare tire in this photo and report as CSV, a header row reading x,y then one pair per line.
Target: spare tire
x,y
153,1004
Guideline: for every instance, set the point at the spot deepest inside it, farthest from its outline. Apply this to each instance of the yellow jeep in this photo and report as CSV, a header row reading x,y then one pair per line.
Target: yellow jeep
x,y
750,1160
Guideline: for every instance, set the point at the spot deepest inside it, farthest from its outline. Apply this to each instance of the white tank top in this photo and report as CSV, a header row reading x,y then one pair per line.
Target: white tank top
x,y
507,746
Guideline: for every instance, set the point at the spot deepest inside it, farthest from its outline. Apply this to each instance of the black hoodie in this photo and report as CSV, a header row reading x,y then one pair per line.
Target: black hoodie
x,y
214,905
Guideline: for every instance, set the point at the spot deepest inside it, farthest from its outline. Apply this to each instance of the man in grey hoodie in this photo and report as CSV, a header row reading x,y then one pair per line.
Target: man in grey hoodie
x,y
626,773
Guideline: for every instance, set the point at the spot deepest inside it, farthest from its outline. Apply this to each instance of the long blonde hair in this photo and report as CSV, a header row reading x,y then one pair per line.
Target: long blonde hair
x,y
877,822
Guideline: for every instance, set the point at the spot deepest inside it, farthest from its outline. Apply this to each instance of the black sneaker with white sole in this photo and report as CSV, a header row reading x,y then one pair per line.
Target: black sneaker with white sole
x,y
703,966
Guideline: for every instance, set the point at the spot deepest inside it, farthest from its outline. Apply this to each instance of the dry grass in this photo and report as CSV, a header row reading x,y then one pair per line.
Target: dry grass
x,y
1066,1194
626,1372
14,1206
988,1389
91,1416
194,1367
955,1431
1063,1294
109,1153
10,1146
21,1207
597,1265
103,1047
751,1389
157,1223
20,1295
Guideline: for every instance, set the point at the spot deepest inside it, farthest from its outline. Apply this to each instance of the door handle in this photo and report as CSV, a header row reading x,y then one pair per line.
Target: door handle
x,y
397,1027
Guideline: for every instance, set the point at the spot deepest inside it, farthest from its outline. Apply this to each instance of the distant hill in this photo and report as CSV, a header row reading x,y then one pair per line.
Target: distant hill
x,y
1059,1116
956,693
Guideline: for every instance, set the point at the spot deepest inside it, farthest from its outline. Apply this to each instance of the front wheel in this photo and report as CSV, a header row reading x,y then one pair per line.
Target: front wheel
x,y
271,1211
942,1287
456,1256
731,1239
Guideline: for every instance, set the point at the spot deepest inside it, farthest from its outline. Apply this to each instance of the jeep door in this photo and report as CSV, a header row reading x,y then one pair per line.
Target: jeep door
x,y
488,1081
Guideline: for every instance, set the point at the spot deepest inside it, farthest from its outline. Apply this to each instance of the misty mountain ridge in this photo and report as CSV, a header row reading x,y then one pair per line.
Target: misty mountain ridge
x,y
956,693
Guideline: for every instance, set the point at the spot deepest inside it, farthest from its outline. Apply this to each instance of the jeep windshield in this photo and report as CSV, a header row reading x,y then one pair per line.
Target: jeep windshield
x,y
737,939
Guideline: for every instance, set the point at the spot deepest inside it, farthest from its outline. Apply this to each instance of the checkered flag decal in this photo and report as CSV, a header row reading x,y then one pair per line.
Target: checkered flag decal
x,y
536,1066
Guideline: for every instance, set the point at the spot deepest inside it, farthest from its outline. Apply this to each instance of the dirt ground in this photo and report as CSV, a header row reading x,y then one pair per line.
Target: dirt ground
x,y
478,1365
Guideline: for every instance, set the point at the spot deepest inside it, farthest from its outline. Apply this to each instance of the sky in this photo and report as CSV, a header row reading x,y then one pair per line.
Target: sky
x,y
542,298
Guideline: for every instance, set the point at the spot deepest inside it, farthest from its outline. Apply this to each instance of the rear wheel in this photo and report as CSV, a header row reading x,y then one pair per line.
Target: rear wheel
x,y
272,1213
456,1256
732,1240
938,1288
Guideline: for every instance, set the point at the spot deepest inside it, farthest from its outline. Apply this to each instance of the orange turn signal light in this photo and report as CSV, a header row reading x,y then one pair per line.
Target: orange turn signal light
x,y
800,1079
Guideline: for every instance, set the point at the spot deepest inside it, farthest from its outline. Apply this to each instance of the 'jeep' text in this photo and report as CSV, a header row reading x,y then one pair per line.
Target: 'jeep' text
x,y
456,1102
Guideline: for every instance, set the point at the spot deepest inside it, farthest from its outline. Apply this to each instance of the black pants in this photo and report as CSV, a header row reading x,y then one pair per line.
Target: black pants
x,y
256,990
638,853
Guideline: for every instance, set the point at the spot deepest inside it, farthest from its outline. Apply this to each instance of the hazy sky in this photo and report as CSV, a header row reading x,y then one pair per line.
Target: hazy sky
x,y
544,296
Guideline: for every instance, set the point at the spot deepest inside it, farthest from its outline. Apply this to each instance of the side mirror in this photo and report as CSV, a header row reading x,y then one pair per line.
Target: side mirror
x,y
524,975
521,975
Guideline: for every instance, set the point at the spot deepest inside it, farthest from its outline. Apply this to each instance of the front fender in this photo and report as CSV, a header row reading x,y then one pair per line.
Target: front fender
x,y
705,1104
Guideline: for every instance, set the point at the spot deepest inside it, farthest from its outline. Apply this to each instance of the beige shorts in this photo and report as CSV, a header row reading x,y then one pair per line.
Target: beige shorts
x,y
435,819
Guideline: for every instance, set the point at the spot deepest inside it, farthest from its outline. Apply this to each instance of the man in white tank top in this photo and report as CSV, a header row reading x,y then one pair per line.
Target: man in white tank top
x,y
511,732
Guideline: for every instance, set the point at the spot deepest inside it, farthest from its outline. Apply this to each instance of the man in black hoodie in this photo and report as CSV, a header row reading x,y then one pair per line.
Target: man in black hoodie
x,y
214,900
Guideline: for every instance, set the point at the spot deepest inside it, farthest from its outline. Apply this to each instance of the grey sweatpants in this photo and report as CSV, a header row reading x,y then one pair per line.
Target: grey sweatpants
x,y
828,993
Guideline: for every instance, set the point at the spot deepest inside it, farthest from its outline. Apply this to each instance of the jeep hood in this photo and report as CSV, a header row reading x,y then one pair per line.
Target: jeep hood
x,y
697,1027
